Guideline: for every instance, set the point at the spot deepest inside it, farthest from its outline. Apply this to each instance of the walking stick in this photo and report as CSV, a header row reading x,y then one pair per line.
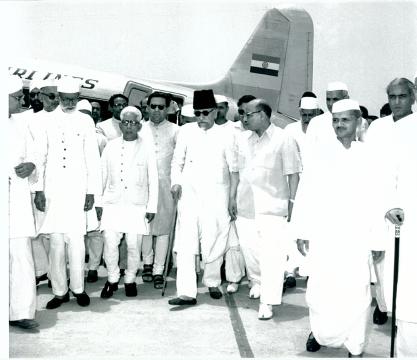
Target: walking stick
x,y
170,244
394,291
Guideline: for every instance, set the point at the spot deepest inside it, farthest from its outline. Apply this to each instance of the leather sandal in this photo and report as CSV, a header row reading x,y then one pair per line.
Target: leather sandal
x,y
158,281
147,273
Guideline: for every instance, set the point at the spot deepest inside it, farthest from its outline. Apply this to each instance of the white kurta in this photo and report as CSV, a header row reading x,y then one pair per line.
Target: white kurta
x,y
332,212
130,186
71,164
201,165
110,128
164,137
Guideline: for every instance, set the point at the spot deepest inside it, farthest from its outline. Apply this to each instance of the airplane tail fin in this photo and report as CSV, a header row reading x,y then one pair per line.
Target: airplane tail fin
x,y
275,64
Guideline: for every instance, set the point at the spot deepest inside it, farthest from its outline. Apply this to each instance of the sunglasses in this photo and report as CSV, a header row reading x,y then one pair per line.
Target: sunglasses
x,y
130,122
49,96
241,112
160,107
204,112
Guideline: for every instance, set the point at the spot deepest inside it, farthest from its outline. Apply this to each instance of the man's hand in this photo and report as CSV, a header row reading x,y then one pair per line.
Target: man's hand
x,y
99,212
232,208
40,200
176,191
377,256
396,216
89,202
149,216
23,170
303,246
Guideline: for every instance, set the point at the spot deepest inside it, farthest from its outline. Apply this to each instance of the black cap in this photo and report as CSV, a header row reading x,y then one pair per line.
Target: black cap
x,y
204,99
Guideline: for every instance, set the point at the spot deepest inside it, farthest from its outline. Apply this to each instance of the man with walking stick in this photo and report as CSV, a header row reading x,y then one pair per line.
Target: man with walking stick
x,y
403,211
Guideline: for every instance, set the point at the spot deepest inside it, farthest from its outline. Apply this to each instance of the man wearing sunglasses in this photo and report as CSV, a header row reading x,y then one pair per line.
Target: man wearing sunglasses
x,y
200,177
163,134
263,193
68,180
21,172
35,96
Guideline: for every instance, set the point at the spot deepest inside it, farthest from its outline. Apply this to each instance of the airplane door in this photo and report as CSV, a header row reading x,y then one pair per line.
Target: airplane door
x,y
136,92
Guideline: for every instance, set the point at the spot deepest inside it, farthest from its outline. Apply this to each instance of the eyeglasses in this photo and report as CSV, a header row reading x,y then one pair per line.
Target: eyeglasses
x,y
248,114
49,96
18,98
130,122
204,112
154,106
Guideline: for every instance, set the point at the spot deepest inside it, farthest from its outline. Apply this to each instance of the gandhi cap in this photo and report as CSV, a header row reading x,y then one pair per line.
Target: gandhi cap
x,y
220,99
309,103
204,99
69,85
345,105
84,105
14,84
336,85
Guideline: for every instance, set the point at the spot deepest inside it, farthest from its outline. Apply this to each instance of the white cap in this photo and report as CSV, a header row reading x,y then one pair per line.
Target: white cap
x,y
35,84
187,110
336,85
84,105
309,103
69,85
220,98
345,105
14,84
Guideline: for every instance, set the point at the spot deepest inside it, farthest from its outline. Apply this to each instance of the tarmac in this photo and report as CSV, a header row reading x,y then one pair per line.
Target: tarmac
x,y
147,327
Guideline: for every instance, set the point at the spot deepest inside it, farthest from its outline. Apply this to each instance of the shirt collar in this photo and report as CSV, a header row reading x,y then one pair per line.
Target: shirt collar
x,y
269,132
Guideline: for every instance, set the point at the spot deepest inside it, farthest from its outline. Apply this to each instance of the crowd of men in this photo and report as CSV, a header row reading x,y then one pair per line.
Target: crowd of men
x,y
245,193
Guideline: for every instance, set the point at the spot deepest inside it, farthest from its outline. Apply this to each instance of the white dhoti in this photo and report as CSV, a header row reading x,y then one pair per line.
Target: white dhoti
x,y
22,280
235,262
263,241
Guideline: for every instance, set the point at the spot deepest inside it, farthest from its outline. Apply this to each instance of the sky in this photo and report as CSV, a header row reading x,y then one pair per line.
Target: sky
x,y
362,43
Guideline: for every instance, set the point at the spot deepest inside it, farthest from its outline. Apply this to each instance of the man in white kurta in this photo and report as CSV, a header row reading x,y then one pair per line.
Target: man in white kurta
x,y
200,177
163,134
235,263
331,217
269,163
65,191
21,171
129,199
381,142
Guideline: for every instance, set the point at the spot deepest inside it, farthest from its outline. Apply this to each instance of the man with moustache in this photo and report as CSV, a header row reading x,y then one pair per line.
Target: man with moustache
x,y
163,134
68,179
200,177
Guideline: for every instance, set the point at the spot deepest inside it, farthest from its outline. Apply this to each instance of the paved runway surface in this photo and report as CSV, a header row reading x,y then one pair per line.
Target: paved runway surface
x,y
147,327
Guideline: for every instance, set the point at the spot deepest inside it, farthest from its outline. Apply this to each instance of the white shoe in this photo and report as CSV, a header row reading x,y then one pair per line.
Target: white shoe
x,y
255,291
265,312
232,288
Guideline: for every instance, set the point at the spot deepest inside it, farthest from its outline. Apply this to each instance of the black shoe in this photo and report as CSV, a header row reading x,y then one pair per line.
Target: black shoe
x,y
379,317
355,356
24,323
56,302
82,299
131,290
108,290
122,272
41,278
312,345
215,293
179,301
290,282
147,273
92,276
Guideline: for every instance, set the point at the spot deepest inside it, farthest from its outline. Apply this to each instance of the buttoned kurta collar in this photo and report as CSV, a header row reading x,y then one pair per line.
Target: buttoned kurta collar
x,y
268,133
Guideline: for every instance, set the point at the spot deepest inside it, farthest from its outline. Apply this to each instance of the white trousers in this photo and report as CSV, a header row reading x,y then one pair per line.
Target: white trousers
x,y
22,283
58,264
155,252
95,244
40,250
379,285
235,264
186,274
111,255
264,244
406,341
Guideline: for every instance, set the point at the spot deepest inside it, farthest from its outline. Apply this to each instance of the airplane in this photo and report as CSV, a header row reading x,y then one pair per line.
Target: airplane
x,y
275,64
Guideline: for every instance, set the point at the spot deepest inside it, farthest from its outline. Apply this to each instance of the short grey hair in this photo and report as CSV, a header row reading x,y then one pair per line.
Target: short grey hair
x,y
131,110
402,81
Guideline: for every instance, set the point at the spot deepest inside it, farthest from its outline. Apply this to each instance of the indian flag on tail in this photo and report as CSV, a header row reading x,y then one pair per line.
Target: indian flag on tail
x,y
263,64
